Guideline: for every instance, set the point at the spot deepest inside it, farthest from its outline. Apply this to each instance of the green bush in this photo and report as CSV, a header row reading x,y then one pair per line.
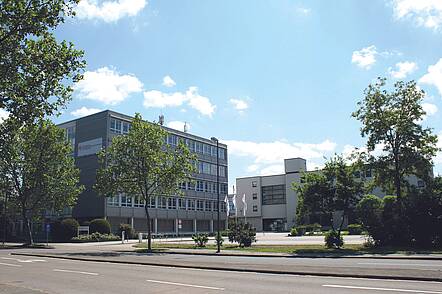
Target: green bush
x,y
333,239
354,229
294,232
128,231
243,234
65,230
200,239
219,240
370,209
99,225
96,237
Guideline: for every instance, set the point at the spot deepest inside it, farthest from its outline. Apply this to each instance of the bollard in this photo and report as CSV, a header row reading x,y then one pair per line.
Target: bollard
x,y
122,237
140,238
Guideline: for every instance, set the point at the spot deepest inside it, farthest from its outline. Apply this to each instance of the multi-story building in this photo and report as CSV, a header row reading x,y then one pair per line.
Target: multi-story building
x,y
195,211
271,202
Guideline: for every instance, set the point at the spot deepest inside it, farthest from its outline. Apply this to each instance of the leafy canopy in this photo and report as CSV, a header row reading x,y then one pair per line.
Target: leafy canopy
x,y
393,121
36,70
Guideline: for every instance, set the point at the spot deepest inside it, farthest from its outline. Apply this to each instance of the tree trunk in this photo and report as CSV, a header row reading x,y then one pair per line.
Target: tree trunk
x,y
397,178
149,230
28,229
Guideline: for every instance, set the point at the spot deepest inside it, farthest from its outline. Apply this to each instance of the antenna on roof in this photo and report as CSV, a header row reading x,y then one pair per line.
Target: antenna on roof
x,y
185,127
161,119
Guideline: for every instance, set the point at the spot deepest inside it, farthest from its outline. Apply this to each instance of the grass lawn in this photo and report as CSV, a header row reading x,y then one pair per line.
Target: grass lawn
x,y
350,249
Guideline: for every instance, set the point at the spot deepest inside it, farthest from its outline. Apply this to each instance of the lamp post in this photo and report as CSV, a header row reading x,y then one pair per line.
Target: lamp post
x,y
215,140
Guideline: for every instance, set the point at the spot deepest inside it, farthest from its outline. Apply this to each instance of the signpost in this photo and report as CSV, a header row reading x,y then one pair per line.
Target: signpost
x,y
48,229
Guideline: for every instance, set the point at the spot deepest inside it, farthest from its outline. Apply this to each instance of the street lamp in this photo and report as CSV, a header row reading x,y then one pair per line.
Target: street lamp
x,y
215,140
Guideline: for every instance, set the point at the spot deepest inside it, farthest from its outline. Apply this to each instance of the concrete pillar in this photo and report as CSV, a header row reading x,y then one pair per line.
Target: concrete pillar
x,y
211,225
194,226
132,222
155,225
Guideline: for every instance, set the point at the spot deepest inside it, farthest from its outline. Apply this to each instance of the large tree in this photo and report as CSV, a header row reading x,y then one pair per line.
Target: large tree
x,y
36,70
140,164
38,170
392,120
333,189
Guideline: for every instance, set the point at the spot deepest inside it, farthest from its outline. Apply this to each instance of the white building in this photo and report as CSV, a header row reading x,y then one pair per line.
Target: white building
x,y
270,200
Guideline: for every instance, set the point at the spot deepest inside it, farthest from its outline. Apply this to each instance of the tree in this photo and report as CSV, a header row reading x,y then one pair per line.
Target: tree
x,y
392,120
331,190
39,169
35,69
142,165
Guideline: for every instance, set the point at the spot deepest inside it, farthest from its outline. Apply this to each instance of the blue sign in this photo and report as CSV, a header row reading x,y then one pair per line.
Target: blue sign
x,y
48,227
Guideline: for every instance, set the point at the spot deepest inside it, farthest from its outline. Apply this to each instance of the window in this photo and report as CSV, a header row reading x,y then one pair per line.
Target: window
x,y
213,169
357,174
70,135
191,145
126,201
255,196
182,186
182,203
215,206
207,149
206,186
254,184
207,207
420,184
368,173
255,208
222,153
213,151
190,204
223,207
191,186
172,140
222,171
199,147
152,202
162,203
273,195
223,188
126,127
199,186
171,203
138,201
200,205
113,201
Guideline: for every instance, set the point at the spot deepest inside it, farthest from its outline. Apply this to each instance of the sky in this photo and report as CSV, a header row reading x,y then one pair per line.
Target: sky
x,y
271,79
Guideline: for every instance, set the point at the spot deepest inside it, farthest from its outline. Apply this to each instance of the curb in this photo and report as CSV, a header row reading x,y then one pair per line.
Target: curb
x,y
263,271
172,251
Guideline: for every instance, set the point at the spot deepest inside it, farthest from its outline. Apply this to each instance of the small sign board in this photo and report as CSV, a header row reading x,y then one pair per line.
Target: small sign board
x,y
48,227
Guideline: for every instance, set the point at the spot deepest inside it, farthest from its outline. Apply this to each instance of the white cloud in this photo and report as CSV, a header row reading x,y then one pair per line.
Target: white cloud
x,y
168,82
84,111
268,157
178,125
108,86
427,13
403,69
109,11
239,104
365,57
429,108
3,115
160,99
434,76
303,10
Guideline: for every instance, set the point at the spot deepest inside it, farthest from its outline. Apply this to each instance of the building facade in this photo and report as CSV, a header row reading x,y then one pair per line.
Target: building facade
x,y
195,211
270,201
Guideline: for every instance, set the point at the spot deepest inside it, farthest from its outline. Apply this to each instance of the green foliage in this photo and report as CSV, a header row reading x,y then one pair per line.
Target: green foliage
x,y
333,239
333,189
128,231
38,169
142,165
96,237
36,70
200,239
242,233
219,239
64,230
294,232
99,225
354,229
309,229
392,120
370,209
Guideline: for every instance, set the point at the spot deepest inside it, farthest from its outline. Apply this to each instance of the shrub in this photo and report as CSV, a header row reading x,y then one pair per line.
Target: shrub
x,y
99,225
219,240
243,234
128,231
200,239
354,229
370,209
333,239
64,230
294,232
96,237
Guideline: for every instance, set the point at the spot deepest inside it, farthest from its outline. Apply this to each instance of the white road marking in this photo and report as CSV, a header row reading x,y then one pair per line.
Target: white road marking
x,y
8,264
382,289
24,260
185,285
400,264
75,272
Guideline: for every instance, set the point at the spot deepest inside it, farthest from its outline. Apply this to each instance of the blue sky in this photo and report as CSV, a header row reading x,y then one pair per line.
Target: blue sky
x,y
272,79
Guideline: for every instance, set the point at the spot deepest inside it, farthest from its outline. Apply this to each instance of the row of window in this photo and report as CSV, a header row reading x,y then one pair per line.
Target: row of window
x,y
203,186
274,194
366,174
122,127
210,169
167,203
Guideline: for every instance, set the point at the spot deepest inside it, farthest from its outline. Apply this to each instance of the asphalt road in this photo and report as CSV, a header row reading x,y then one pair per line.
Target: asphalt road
x,y
20,274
